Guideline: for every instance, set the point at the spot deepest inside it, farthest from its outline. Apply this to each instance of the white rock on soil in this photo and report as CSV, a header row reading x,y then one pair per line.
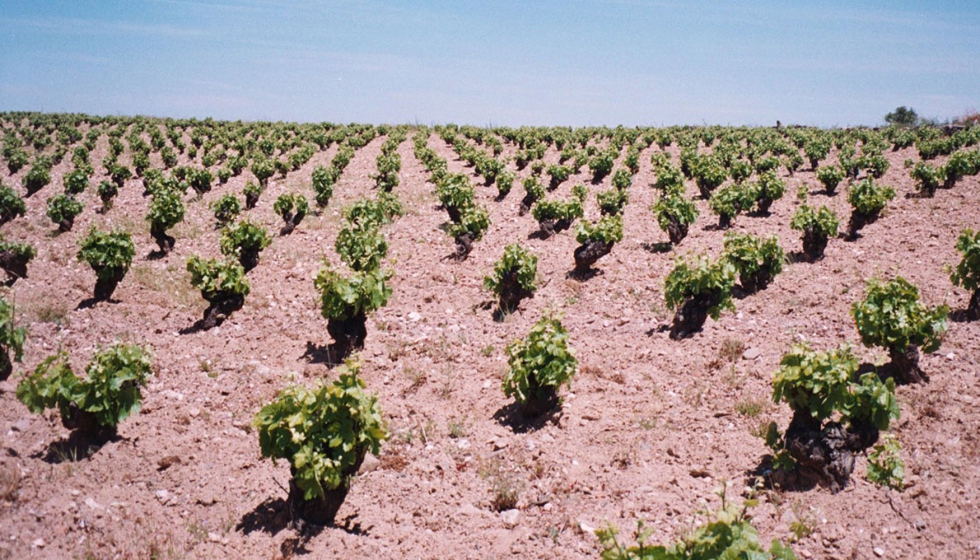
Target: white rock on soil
x,y
510,517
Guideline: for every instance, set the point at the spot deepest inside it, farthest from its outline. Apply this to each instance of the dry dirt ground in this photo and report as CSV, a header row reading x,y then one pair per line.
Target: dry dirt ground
x,y
650,428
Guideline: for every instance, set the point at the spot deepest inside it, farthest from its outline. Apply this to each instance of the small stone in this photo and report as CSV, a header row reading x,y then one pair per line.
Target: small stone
x,y
370,463
195,412
951,356
214,537
919,525
751,354
499,444
585,528
463,444
699,473
21,425
38,543
206,500
93,504
414,317
510,517
163,496
167,462
547,507
879,551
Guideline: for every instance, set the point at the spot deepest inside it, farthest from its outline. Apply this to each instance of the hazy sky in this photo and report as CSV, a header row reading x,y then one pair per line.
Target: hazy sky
x,y
493,62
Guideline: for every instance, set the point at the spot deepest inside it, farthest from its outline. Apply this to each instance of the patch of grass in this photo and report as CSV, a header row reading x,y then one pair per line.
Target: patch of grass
x,y
804,525
416,377
48,311
749,407
9,483
731,349
487,350
171,281
505,494
623,458
457,428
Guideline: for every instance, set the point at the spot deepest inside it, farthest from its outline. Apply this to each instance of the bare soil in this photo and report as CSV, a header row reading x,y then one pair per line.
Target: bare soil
x,y
650,428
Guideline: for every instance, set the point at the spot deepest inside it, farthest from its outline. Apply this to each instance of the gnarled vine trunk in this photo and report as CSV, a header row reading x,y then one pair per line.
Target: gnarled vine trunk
x,y
348,334
752,283
973,311
676,231
221,308
826,454
907,365
322,510
539,400
251,199
511,292
164,241
249,259
14,265
105,285
814,244
691,315
859,220
587,254
464,245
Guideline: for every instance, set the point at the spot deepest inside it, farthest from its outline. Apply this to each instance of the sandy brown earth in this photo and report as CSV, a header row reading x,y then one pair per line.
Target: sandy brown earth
x,y
649,430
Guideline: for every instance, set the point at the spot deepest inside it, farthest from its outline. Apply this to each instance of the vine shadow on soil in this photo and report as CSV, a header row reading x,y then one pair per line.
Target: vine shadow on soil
x,y
583,275
77,446
513,416
89,303
329,355
273,516
657,248
962,316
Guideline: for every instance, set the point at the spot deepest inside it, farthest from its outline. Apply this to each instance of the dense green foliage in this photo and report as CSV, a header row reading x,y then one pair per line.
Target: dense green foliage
x,y
243,237
824,384
967,272
730,201
517,263
322,432
674,208
868,198
540,363
822,220
359,293
830,176
111,392
609,229
323,182
11,204
217,280
891,316
63,208
226,209
708,279
108,253
362,248
166,209
757,261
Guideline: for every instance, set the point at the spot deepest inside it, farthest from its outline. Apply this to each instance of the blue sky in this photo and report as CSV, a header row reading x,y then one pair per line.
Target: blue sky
x,y
571,62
